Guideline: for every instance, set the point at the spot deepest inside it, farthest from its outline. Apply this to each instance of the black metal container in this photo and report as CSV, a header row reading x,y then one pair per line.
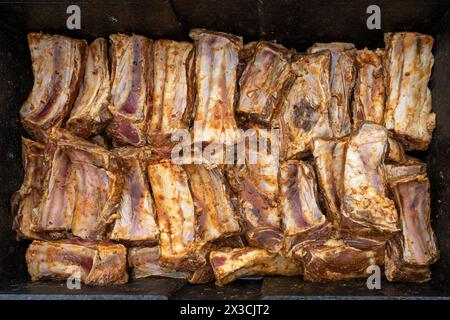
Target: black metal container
x,y
295,24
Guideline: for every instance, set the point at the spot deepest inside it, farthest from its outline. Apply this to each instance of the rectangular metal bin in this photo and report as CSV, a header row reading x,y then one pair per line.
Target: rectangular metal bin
x,y
295,24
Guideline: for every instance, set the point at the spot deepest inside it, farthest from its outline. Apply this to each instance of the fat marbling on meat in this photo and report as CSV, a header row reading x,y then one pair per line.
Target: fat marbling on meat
x,y
90,113
58,64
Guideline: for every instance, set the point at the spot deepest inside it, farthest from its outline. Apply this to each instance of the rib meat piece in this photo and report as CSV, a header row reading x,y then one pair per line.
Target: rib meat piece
x,y
90,112
397,269
137,222
369,93
145,262
216,62
28,196
407,66
301,216
173,95
334,260
262,81
342,80
411,189
231,264
98,182
256,185
131,88
57,69
55,208
367,212
329,158
215,212
101,263
304,113
180,249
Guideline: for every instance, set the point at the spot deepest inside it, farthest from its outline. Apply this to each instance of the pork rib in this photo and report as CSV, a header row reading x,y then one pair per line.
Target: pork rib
x,y
407,65
415,247
97,179
58,63
173,95
301,216
131,88
262,81
335,260
145,262
137,222
231,264
180,249
369,93
93,263
28,196
304,113
216,62
329,158
342,80
215,212
90,113
367,212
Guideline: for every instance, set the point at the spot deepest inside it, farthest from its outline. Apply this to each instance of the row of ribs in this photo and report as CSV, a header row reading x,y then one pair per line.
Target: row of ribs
x,y
101,196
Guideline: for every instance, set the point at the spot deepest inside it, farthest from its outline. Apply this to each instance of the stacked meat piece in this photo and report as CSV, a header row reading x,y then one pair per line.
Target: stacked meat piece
x,y
334,195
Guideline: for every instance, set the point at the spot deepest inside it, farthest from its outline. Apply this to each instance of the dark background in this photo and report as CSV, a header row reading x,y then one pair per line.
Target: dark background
x,y
295,24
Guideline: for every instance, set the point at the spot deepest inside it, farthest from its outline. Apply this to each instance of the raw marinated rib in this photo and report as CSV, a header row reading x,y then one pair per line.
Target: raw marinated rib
x,y
369,93
302,218
145,262
256,185
90,113
231,264
329,157
98,183
407,65
137,224
216,62
367,212
55,210
131,88
176,217
411,189
342,80
93,263
30,193
215,212
334,260
262,81
173,95
397,269
305,108
57,69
